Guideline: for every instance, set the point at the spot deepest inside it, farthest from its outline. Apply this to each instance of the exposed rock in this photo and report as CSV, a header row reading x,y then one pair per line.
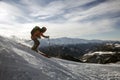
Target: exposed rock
x,y
101,57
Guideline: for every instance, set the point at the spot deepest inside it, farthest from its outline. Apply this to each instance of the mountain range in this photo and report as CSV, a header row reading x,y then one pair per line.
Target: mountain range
x,y
63,41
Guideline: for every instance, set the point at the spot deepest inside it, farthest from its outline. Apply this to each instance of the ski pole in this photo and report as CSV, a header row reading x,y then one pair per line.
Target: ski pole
x,y
49,41
49,45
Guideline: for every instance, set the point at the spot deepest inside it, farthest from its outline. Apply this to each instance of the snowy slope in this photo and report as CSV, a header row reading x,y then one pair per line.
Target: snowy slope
x,y
18,62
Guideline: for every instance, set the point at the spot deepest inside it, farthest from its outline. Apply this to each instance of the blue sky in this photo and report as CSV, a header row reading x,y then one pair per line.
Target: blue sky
x,y
88,19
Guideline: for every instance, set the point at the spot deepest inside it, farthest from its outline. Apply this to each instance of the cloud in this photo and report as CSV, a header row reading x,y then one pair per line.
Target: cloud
x,y
80,29
11,14
33,10
73,18
102,10
69,10
51,9
5,12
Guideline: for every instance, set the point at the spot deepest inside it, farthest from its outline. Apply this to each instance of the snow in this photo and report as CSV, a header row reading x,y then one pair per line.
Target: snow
x,y
28,57
100,53
117,45
18,62
92,71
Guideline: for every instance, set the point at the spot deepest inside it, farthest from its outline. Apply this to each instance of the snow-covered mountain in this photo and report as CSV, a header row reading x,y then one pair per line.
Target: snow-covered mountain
x,y
18,62
64,41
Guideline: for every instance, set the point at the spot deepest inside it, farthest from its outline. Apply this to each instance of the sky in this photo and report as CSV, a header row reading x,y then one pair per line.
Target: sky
x,y
85,19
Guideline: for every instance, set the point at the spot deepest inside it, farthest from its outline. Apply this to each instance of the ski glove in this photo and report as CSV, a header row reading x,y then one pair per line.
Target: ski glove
x,y
47,36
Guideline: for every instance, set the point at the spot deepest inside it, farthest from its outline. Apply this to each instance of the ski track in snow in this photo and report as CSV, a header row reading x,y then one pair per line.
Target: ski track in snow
x,y
28,57
18,62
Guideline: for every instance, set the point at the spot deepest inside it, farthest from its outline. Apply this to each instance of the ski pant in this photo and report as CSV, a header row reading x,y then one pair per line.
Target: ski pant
x,y
36,44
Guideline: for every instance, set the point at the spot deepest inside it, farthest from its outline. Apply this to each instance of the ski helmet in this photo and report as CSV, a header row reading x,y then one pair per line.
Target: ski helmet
x,y
43,29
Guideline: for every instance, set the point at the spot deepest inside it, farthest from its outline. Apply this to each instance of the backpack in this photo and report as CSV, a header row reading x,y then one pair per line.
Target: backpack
x,y
35,29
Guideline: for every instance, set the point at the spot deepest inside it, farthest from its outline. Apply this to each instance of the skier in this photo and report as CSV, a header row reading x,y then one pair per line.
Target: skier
x,y
37,33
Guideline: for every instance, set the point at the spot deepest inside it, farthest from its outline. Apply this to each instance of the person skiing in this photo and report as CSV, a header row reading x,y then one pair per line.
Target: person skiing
x,y
37,33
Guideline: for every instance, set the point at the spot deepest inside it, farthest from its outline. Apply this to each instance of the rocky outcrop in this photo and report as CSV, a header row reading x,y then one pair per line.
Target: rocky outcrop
x,y
101,57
